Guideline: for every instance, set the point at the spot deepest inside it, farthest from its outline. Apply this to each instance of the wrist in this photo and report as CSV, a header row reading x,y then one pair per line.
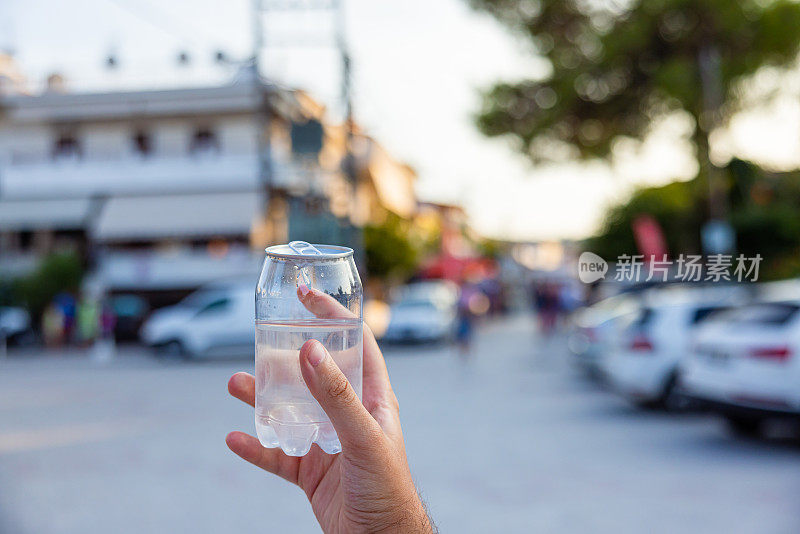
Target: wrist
x,y
416,518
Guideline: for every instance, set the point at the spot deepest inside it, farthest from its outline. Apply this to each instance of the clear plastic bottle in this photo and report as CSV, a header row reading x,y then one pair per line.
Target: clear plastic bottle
x,y
287,415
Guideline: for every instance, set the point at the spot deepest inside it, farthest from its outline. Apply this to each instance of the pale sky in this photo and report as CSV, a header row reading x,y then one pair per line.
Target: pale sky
x,y
417,67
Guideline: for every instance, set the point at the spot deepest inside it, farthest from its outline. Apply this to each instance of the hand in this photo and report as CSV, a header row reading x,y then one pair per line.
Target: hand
x,y
368,486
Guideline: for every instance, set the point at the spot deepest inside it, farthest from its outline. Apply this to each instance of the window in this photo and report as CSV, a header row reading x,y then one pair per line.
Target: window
x,y
67,146
204,141
776,314
142,143
701,314
644,318
217,306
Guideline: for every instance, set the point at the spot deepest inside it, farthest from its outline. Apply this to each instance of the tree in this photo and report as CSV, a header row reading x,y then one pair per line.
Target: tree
x,y
762,205
676,207
616,66
389,249
56,273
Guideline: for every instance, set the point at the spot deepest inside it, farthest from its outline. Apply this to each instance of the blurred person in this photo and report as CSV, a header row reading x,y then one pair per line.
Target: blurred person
x,y
66,303
548,306
368,486
570,298
492,288
103,348
108,320
88,320
53,325
470,302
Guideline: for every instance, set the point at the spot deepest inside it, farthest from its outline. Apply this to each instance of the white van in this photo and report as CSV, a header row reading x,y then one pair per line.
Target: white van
x,y
216,320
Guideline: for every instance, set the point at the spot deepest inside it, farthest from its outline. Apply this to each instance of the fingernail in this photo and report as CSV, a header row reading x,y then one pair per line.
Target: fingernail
x,y
303,290
316,353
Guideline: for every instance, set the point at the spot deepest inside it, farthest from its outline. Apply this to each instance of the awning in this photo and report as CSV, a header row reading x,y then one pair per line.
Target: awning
x,y
191,215
61,214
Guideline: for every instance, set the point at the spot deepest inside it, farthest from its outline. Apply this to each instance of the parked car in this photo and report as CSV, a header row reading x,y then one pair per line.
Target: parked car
x,y
594,330
214,320
130,312
424,312
644,366
441,292
15,326
745,364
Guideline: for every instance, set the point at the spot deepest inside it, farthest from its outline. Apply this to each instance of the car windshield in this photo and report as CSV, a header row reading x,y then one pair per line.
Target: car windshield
x,y
201,298
760,314
415,304
708,313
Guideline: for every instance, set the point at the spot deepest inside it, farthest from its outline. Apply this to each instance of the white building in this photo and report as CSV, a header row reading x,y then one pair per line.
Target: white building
x,y
166,190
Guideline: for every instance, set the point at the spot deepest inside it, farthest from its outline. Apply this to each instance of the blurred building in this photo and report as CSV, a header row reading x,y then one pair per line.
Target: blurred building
x,y
11,77
164,190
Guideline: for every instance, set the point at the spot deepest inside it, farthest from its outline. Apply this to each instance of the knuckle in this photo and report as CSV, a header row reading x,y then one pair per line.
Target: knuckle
x,y
339,390
394,403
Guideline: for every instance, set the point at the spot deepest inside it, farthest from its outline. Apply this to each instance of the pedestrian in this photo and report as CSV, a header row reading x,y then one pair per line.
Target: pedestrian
x,y
108,320
368,486
465,319
103,348
548,305
88,320
66,303
53,326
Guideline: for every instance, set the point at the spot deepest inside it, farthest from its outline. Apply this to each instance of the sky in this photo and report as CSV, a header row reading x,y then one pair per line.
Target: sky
x,y
418,66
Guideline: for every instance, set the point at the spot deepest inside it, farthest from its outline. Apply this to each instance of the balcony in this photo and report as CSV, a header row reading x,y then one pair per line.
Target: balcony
x,y
128,175
153,270
132,175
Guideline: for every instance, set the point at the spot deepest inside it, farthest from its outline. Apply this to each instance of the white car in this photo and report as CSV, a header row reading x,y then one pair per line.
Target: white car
x,y
425,312
746,364
644,367
215,320
15,326
441,292
595,329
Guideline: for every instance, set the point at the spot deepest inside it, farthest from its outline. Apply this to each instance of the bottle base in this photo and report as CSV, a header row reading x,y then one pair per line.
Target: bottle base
x,y
295,439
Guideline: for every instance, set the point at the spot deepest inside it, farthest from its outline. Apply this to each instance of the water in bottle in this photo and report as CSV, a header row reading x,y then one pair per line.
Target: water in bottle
x,y
287,415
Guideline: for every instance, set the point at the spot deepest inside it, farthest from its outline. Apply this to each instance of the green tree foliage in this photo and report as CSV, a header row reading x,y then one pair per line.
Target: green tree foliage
x,y
677,207
763,214
56,273
617,65
389,248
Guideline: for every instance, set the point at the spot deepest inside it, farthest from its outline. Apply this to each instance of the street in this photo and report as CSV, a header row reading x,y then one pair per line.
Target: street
x,y
513,440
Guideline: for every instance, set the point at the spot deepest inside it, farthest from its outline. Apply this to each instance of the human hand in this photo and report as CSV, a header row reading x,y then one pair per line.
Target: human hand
x,y
368,486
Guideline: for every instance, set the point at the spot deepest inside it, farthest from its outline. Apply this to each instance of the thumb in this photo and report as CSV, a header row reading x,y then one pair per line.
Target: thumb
x,y
327,383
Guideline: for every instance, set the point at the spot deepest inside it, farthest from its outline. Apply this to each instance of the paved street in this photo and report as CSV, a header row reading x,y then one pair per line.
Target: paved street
x,y
515,440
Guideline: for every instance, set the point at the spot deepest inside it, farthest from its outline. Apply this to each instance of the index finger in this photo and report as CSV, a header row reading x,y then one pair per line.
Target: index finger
x,y
324,306
243,387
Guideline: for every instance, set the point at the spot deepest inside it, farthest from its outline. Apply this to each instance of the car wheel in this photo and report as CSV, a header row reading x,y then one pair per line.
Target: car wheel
x,y
23,339
172,349
744,426
671,399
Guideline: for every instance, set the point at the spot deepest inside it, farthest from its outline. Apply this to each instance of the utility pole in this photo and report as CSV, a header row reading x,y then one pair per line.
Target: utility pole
x,y
263,111
717,234
333,10
350,167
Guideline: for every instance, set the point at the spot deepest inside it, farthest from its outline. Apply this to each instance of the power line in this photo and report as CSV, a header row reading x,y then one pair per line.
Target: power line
x,y
162,20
